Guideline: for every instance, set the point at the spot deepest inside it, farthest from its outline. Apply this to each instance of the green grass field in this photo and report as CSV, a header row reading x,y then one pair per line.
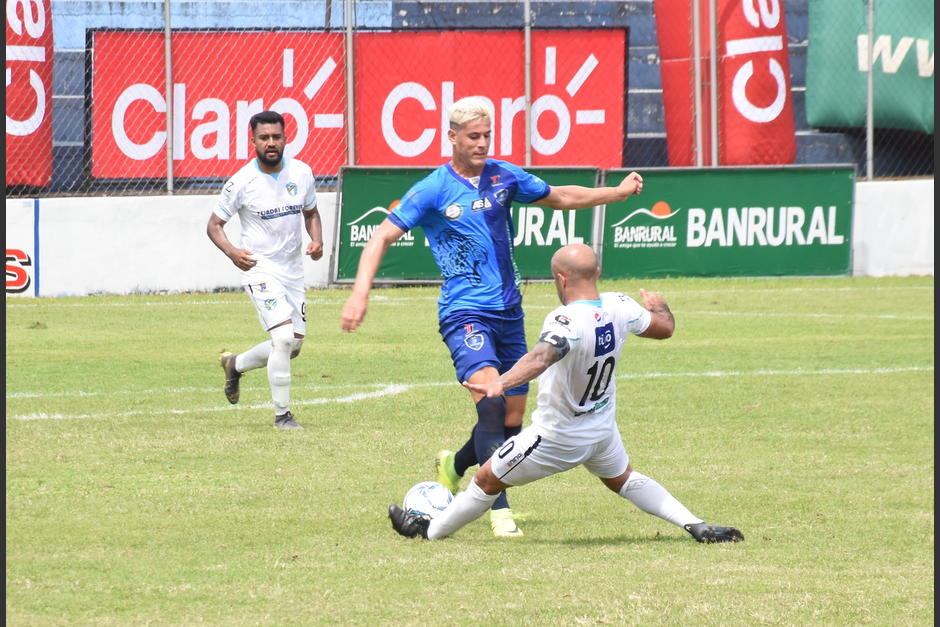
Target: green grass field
x,y
799,410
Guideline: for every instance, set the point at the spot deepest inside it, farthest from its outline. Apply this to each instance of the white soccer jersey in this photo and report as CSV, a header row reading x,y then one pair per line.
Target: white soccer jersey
x,y
577,395
270,208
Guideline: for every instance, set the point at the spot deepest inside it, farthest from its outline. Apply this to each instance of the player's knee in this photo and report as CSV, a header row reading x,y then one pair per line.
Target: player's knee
x,y
487,481
282,338
296,345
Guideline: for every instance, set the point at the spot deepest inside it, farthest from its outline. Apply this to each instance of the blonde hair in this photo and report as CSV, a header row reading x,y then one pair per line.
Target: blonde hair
x,y
466,110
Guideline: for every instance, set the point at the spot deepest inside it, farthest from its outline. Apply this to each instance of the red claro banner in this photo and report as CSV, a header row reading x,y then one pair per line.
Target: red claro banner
x,y
29,92
300,75
404,83
578,95
755,106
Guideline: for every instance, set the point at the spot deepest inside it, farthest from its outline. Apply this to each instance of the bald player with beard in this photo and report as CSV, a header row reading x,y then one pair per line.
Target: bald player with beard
x,y
574,422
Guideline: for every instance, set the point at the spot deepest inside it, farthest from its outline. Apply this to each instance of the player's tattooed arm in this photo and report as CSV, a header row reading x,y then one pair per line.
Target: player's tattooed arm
x,y
549,349
663,323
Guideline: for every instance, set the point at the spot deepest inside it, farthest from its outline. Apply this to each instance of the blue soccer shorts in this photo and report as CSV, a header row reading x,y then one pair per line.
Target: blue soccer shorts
x,y
485,338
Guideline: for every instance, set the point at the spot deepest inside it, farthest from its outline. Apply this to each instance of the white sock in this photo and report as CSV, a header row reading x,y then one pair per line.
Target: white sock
x,y
652,498
254,357
282,340
466,507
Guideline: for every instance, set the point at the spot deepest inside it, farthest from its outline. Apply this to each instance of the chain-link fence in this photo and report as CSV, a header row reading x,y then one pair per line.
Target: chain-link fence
x,y
155,97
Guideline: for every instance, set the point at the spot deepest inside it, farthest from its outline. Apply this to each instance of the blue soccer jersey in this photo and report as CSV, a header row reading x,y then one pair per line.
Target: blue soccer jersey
x,y
470,230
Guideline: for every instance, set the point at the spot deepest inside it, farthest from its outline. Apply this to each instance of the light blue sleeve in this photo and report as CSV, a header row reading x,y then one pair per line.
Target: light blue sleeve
x,y
414,205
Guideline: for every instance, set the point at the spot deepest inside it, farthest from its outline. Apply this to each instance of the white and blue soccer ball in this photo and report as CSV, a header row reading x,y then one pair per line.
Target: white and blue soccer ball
x,y
427,499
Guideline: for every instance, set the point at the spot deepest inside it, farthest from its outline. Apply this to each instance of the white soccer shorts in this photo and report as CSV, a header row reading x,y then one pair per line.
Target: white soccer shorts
x,y
530,456
276,302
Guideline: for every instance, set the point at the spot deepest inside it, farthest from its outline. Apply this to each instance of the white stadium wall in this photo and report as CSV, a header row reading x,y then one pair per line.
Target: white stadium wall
x,y
893,228
123,245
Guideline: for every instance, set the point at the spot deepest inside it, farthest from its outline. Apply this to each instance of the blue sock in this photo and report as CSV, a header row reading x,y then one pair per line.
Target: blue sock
x,y
508,432
466,456
488,435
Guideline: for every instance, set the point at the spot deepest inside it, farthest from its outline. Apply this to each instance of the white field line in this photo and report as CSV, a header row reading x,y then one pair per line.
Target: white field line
x,y
15,303
767,314
391,389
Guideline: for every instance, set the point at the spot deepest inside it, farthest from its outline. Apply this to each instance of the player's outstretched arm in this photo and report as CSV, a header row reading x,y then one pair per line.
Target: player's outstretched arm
x,y
354,311
663,323
580,197
546,351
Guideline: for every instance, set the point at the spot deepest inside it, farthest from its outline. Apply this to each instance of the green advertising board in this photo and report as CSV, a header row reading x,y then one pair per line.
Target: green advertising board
x,y
767,221
902,72
367,194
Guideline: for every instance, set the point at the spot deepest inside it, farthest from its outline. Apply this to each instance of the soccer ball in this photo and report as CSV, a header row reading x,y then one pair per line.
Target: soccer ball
x,y
427,499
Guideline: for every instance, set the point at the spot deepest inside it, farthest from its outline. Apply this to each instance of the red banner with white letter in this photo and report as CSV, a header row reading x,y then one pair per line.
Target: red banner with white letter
x,y
755,107
301,77
404,83
29,92
578,95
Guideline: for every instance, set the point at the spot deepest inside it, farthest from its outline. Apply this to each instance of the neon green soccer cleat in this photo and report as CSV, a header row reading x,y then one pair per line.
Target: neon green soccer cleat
x,y
444,463
503,524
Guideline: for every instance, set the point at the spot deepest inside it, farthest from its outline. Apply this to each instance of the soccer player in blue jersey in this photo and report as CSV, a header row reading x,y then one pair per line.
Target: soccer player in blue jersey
x,y
464,209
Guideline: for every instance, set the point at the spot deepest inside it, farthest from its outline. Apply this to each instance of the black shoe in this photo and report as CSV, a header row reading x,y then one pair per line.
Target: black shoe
x,y
231,376
703,532
286,421
407,524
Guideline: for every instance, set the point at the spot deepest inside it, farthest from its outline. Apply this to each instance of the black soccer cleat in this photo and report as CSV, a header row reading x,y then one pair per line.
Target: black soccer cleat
x,y
407,524
286,421
703,532
227,360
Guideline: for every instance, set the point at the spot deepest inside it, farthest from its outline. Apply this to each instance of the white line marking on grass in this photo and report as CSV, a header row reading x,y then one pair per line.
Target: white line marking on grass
x,y
392,300
768,314
391,389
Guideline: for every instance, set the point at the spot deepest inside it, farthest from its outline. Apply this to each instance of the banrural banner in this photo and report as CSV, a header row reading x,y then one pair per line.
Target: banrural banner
x,y
902,72
368,195
404,84
773,221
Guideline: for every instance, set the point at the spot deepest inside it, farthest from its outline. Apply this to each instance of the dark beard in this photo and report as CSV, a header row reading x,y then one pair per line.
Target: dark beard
x,y
265,160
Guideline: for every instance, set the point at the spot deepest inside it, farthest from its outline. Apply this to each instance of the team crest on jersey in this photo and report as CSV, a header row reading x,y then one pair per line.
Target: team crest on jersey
x,y
452,212
564,320
292,189
262,287
269,303
604,339
502,196
474,342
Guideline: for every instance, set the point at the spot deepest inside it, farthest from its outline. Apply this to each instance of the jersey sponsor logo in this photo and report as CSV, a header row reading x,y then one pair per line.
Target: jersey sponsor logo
x,y
279,212
597,316
474,342
452,212
270,303
560,319
494,180
604,339
481,205
291,189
